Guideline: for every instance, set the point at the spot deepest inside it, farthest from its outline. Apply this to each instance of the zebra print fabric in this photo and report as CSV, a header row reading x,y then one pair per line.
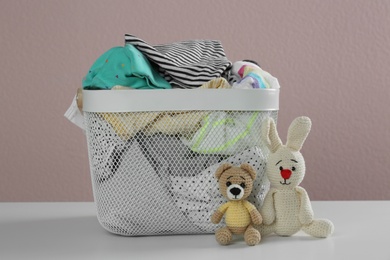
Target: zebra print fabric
x,y
185,64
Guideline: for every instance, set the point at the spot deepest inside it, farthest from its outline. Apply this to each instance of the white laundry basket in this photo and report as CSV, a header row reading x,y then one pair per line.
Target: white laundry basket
x,y
153,154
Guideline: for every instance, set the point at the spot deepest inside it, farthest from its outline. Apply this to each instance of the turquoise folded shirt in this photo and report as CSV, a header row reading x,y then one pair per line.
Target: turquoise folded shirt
x,y
125,66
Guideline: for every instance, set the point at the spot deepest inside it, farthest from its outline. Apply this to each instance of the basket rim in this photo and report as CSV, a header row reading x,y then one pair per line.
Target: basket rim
x,y
180,100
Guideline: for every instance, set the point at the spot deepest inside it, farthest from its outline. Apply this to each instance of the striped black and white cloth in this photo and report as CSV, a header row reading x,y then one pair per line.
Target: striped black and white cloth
x,y
186,64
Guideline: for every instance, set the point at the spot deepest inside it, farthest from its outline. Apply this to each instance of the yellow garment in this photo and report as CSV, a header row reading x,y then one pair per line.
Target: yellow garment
x,y
119,87
237,213
126,125
216,83
176,123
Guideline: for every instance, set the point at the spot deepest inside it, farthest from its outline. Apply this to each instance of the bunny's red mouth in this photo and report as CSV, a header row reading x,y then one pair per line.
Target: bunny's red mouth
x,y
285,182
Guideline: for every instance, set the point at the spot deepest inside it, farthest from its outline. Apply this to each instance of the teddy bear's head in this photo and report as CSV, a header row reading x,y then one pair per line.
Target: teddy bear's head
x,y
235,183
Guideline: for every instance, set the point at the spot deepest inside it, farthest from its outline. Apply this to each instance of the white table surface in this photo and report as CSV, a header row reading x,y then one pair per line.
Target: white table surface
x,y
71,231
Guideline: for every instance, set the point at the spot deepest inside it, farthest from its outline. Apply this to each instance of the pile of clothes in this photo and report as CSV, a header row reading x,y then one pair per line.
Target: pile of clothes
x,y
188,64
169,157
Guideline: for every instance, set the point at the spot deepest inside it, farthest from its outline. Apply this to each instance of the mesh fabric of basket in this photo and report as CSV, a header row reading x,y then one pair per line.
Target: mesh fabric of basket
x,y
153,154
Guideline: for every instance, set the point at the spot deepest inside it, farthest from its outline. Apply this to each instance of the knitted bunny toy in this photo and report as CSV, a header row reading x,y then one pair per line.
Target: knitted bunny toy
x,y
287,208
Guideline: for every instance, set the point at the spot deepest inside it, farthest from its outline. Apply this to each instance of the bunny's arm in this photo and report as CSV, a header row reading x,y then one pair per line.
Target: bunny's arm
x,y
268,209
218,214
305,210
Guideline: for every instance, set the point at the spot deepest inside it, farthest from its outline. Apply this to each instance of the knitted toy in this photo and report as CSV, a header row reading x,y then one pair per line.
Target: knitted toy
x,y
235,184
287,208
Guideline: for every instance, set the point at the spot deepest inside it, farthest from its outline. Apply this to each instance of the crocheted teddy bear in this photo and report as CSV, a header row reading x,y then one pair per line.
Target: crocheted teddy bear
x,y
287,208
235,184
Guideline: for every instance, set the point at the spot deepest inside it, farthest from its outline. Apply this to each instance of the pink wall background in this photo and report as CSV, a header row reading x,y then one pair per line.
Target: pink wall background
x,y
332,59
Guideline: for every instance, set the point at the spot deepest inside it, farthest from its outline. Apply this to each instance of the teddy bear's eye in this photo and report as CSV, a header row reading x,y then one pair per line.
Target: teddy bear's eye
x,y
228,183
281,168
293,168
242,185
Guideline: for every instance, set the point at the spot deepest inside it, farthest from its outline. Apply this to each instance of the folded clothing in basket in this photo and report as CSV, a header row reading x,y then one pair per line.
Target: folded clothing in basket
x,y
126,125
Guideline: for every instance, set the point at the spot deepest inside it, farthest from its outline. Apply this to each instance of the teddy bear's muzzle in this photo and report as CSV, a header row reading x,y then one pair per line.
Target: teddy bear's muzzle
x,y
235,192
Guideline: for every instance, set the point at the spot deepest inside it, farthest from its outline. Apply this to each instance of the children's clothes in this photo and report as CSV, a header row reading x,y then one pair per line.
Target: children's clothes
x,y
217,83
74,115
226,132
125,196
245,83
126,125
248,75
185,64
124,66
157,181
136,198
153,171
172,123
106,148
169,156
255,74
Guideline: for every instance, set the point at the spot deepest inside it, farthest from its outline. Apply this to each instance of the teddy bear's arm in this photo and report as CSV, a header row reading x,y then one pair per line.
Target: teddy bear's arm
x,y
268,210
218,214
256,217
254,213
305,211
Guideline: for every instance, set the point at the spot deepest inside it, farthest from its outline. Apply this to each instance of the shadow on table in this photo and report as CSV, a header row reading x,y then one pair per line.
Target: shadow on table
x,y
64,238
84,238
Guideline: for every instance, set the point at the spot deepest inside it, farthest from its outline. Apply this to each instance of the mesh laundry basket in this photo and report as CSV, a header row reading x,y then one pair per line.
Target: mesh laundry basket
x,y
153,154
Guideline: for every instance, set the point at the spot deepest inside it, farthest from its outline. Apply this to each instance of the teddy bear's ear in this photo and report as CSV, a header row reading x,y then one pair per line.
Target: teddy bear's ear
x,y
270,135
221,169
249,169
297,132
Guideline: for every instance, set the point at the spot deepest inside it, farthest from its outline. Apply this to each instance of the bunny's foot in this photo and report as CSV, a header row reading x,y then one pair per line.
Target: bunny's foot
x,y
320,228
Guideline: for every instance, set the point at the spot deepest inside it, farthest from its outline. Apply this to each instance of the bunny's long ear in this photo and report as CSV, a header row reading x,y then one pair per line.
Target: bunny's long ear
x,y
270,135
297,132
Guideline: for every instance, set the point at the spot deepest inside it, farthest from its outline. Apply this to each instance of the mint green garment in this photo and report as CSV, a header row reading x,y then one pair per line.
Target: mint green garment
x,y
226,133
125,66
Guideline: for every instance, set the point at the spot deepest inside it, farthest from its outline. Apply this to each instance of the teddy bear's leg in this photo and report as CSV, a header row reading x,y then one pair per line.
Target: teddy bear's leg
x,y
252,236
223,236
320,228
